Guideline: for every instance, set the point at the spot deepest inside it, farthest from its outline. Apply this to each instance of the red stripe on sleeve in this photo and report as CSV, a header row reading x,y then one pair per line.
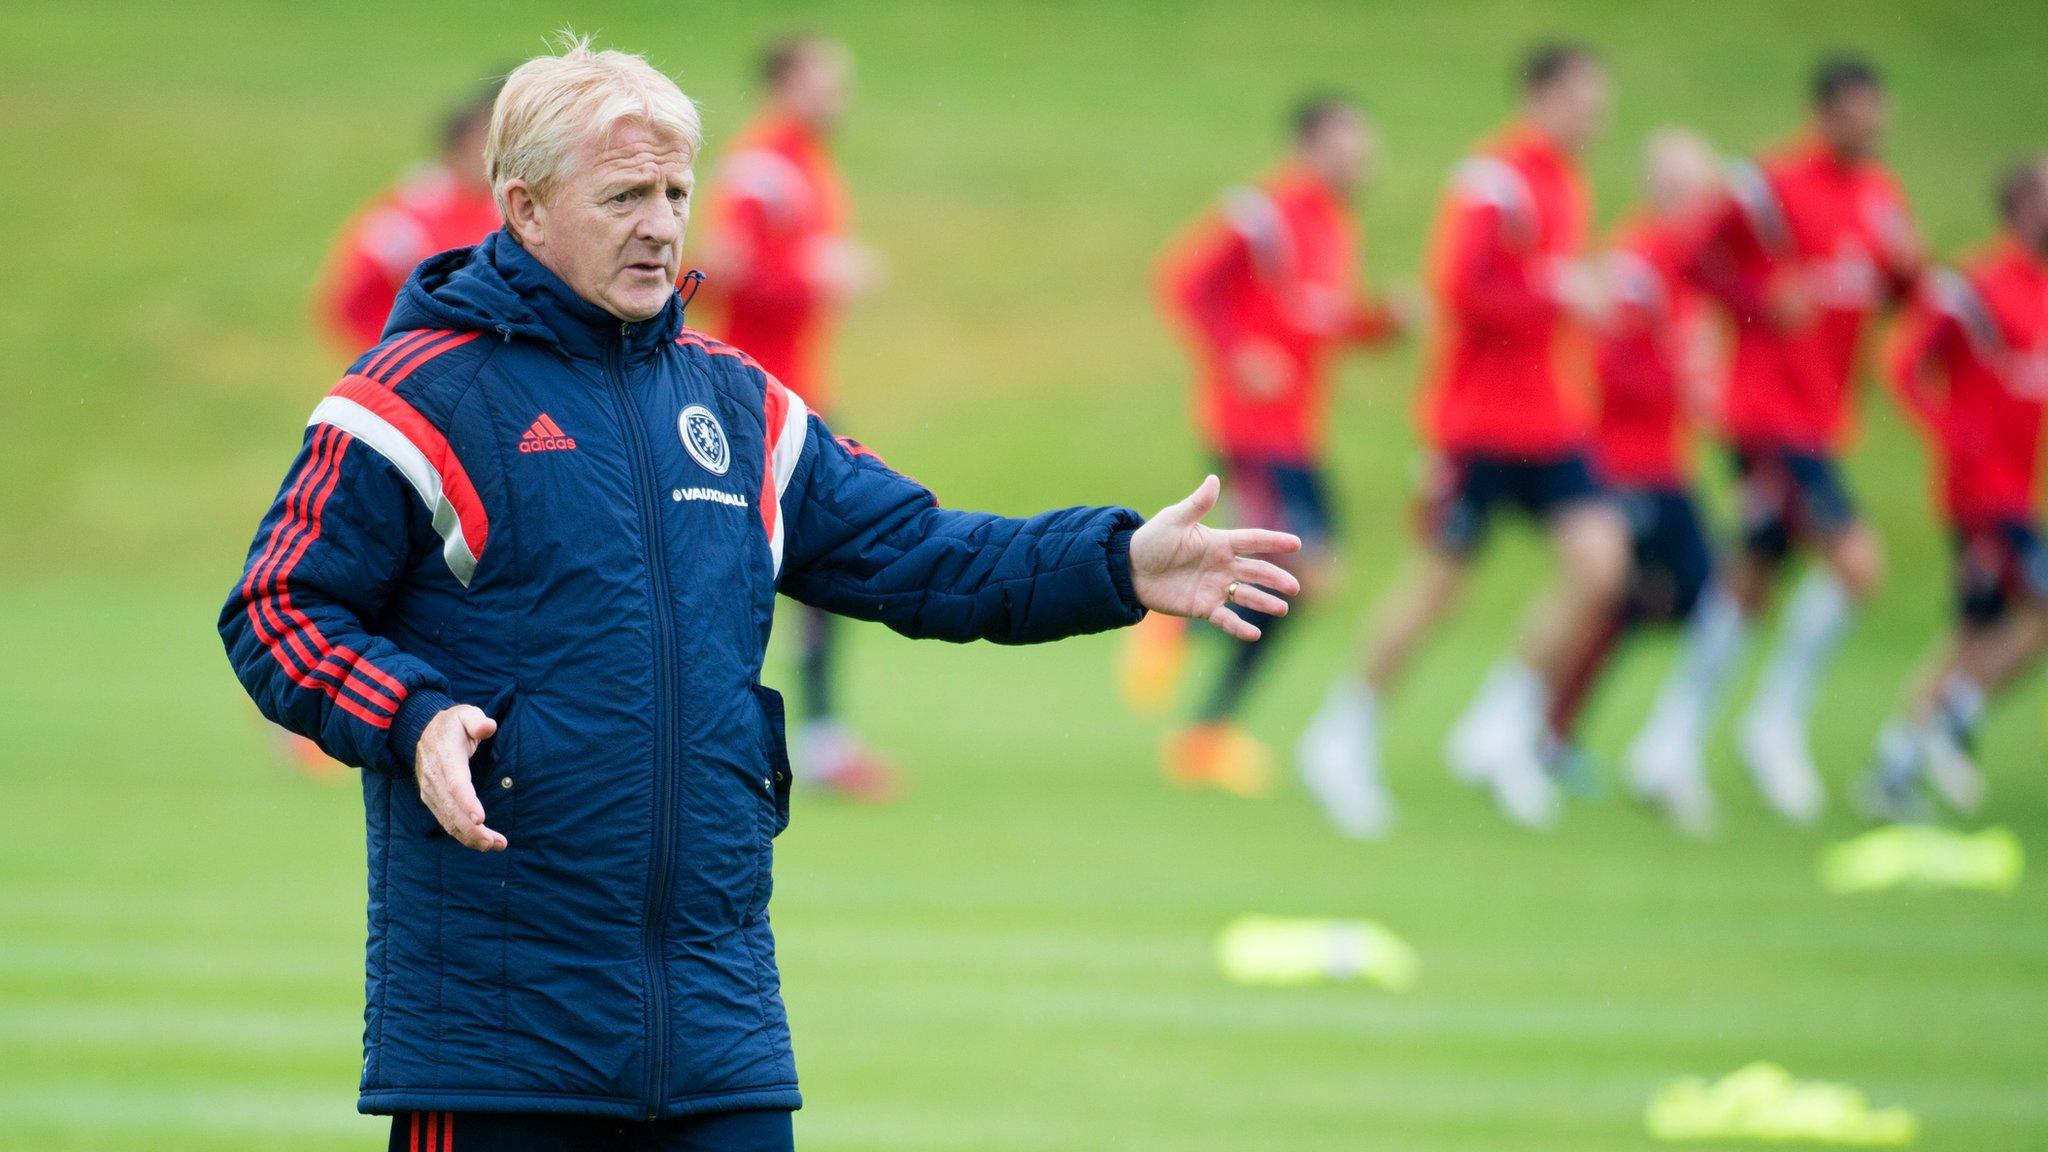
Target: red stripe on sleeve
x,y
455,484
774,410
292,638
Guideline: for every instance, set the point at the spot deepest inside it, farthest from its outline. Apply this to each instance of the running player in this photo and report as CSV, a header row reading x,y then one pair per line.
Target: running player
x,y
1265,290
440,205
1972,366
1653,361
780,266
1512,285
1811,244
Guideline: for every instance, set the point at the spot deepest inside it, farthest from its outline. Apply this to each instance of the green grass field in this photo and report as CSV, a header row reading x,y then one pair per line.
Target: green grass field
x,y
1017,956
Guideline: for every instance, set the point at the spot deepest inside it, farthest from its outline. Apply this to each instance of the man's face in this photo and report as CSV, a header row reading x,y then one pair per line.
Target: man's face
x,y
816,88
1853,121
2030,214
612,228
1574,106
1679,173
1342,151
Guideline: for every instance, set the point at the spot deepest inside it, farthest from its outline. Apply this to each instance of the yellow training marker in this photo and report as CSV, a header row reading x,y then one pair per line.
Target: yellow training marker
x,y
1279,950
1763,1102
1924,856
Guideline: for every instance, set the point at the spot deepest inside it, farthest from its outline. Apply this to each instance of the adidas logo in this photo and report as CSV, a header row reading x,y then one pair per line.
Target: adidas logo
x,y
545,436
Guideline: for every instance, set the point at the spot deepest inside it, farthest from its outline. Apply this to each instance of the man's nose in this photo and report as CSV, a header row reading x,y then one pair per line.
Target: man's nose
x,y
661,222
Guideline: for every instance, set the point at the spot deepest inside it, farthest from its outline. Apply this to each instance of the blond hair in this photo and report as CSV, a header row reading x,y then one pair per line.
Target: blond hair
x,y
551,103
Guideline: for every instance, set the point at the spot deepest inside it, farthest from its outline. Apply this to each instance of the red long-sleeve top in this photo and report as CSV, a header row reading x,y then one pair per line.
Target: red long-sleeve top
x,y
1277,265
1645,354
1971,364
776,205
428,211
1843,227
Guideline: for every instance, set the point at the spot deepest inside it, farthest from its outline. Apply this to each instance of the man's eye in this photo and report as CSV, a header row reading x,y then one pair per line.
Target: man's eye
x,y
622,198
678,194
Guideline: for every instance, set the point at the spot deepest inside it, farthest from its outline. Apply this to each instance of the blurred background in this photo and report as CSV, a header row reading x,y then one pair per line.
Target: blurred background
x,y
1018,954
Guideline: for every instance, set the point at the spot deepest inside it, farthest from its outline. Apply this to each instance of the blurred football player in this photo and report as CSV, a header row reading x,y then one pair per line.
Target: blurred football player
x,y
1810,245
437,206
1265,290
1502,414
779,267
1971,365
1654,363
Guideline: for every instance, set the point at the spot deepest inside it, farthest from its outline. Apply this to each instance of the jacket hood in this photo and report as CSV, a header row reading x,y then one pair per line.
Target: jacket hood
x,y
497,286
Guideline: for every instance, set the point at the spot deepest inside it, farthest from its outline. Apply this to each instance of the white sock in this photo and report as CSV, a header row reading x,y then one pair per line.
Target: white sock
x,y
1898,752
1714,640
1522,696
1351,713
1814,621
1962,701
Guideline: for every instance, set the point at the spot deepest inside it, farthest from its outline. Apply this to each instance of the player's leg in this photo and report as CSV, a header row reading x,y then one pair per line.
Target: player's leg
x,y
751,1131
1339,753
1563,758
1642,603
2001,586
830,756
1774,734
504,1132
1498,741
1678,585
1673,738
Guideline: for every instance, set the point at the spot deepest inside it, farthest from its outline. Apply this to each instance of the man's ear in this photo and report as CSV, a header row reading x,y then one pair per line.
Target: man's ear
x,y
525,215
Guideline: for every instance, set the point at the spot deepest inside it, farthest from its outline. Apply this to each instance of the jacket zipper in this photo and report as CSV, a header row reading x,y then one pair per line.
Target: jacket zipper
x,y
664,687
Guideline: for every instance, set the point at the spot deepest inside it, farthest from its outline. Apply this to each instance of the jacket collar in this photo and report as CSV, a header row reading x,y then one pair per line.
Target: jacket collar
x,y
581,329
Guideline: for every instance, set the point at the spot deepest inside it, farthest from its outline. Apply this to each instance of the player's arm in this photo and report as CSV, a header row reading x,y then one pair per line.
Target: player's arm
x,y
1488,276
1702,355
754,253
1753,277
1376,319
368,267
1195,281
1917,366
1902,253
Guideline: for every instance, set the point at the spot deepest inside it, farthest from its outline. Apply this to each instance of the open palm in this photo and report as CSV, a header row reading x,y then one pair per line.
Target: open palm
x,y
1182,567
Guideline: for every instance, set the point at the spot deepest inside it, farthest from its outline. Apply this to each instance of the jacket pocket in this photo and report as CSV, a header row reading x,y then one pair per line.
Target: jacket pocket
x,y
775,756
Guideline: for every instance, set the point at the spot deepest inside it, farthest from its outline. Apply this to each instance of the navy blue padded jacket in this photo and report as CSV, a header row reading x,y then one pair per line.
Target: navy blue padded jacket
x,y
580,525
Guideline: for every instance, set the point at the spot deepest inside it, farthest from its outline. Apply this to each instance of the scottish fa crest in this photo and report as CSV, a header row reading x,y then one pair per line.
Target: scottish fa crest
x,y
705,439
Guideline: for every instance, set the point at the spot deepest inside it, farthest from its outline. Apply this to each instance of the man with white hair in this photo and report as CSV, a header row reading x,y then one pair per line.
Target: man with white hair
x,y
523,572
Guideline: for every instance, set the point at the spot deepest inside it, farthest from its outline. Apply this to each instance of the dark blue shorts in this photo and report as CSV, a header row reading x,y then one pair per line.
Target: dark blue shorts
x,y
1281,496
1464,488
1997,564
1673,559
756,1131
1789,497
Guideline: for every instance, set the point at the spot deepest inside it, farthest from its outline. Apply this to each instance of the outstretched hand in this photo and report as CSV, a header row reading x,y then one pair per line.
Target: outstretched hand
x,y
1182,567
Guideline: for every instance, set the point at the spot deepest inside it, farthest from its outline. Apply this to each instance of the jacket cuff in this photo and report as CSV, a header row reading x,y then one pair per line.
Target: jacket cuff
x,y
1120,569
421,706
